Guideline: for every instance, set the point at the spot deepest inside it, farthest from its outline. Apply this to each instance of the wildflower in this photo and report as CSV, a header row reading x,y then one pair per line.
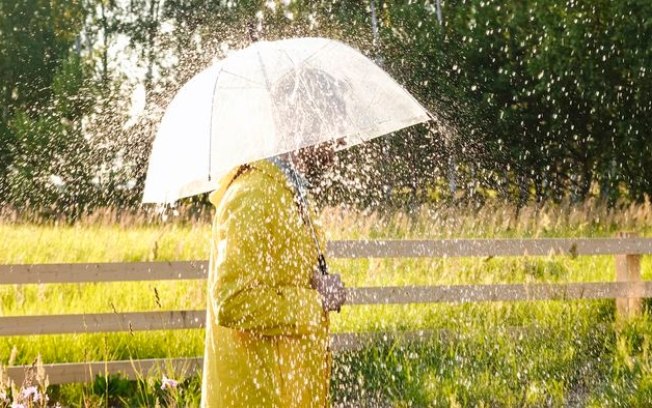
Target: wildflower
x,y
168,383
17,405
31,392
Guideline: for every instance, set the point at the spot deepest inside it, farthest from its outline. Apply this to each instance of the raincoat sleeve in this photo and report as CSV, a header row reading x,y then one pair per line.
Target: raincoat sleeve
x,y
247,292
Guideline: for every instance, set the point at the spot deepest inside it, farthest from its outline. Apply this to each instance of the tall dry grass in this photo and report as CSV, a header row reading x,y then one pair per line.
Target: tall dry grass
x,y
493,219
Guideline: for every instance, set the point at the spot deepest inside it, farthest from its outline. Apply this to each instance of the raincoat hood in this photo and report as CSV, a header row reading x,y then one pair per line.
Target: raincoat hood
x,y
264,166
216,196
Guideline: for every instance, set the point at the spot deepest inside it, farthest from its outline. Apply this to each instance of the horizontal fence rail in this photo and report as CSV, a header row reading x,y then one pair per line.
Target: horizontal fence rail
x,y
489,247
147,271
496,293
102,272
67,373
102,322
195,319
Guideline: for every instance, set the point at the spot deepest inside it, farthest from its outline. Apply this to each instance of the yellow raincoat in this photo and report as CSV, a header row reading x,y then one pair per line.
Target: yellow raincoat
x,y
266,330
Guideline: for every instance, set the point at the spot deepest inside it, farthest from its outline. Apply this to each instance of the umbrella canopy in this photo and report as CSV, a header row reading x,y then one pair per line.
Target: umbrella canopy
x,y
268,99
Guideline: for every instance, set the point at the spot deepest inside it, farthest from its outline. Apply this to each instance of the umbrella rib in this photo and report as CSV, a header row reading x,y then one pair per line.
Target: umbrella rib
x,y
269,89
244,77
317,51
210,128
241,87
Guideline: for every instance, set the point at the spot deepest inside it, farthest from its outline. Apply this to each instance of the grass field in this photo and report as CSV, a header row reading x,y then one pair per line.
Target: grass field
x,y
487,354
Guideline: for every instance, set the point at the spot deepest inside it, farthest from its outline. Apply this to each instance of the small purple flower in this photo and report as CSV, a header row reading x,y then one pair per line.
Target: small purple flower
x,y
17,405
168,383
31,392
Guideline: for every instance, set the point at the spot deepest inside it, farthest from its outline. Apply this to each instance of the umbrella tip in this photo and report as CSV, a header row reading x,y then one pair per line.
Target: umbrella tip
x,y
254,30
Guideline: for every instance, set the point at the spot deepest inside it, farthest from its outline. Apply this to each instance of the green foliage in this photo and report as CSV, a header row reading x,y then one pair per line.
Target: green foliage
x,y
547,97
43,101
112,389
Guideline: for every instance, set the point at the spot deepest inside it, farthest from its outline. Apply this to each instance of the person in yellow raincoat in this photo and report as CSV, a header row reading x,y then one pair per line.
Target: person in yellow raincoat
x,y
267,314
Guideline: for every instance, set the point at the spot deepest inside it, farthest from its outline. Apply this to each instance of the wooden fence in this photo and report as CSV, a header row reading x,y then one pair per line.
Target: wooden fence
x,y
628,289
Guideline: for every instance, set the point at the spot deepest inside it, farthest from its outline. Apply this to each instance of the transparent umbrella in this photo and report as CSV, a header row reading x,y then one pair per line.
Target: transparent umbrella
x,y
268,99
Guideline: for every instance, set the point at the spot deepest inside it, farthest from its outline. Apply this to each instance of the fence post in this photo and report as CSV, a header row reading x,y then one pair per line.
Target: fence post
x,y
628,269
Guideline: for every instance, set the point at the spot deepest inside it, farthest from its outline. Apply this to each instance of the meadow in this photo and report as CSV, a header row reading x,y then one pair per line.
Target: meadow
x,y
551,353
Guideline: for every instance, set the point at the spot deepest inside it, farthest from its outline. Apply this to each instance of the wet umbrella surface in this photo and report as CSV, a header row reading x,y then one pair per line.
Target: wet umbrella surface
x,y
268,99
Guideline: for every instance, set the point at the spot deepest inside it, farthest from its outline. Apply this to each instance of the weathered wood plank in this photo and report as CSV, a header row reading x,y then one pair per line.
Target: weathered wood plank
x,y
85,372
101,322
193,319
142,271
488,247
102,272
495,293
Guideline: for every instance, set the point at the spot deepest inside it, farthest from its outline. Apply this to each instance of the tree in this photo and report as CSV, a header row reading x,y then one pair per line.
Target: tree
x,y
40,79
